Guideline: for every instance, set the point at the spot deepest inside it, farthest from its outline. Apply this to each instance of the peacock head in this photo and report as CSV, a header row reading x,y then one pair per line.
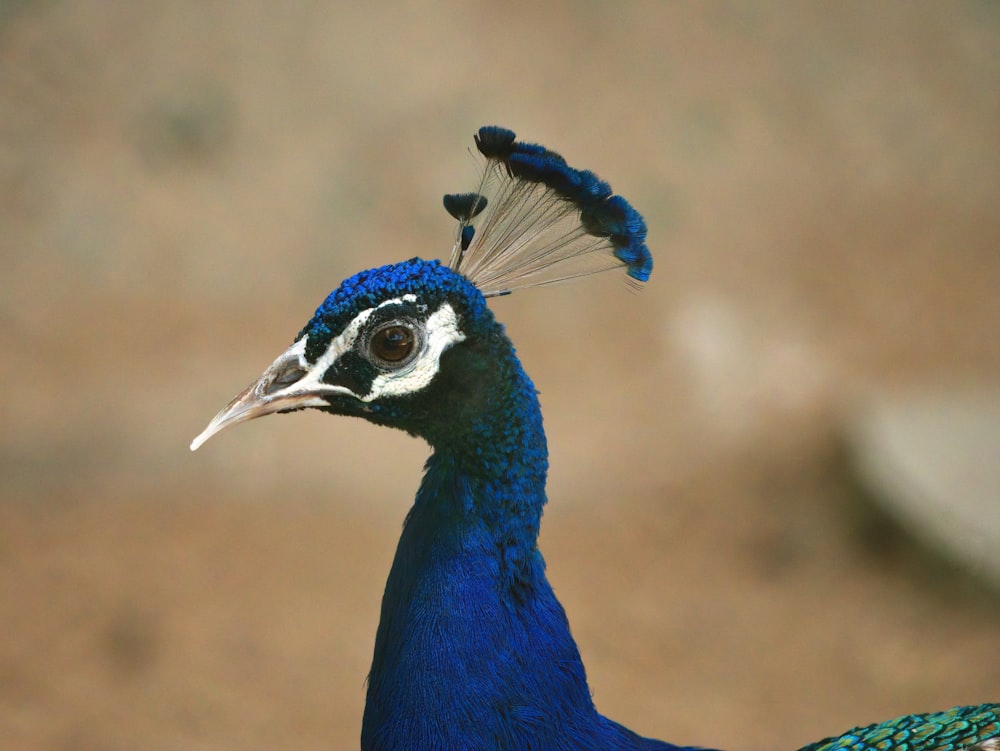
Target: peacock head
x,y
414,345
376,348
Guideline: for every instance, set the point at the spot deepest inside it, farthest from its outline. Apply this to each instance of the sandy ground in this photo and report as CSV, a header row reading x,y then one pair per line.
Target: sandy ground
x,y
182,183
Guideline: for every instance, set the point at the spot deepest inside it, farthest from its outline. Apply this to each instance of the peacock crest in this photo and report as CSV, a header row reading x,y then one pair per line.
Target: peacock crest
x,y
535,220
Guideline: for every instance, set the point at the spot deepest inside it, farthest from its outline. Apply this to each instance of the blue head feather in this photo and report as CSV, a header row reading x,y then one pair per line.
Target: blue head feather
x,y
545,222
464,206
494,141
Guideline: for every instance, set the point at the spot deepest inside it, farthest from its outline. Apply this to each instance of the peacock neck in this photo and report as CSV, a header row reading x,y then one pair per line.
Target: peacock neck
x,y
473,650
485,480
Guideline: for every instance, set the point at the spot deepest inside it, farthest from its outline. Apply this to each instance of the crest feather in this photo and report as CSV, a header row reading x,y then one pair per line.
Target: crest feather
x,y
535,220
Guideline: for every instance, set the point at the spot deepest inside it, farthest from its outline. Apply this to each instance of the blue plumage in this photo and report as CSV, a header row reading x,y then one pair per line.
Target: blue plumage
x,y
496,142
473,650
542,221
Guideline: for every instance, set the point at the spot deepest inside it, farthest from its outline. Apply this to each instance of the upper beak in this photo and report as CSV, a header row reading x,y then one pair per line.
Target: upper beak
x,y
282,387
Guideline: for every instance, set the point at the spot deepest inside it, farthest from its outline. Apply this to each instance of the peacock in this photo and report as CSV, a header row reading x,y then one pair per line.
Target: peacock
x,y
473,650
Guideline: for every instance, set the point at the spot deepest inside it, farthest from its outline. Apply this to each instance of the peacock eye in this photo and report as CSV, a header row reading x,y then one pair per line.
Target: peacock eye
x,y
392,345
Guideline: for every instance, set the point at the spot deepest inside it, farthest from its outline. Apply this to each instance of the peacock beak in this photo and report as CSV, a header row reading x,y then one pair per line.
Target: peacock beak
x,y
283,387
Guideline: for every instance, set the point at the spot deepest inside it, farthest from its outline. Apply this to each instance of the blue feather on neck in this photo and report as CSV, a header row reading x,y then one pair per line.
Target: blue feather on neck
x,y
473,649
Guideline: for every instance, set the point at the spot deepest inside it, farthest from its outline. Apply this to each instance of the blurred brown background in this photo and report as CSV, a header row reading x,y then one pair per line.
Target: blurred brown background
x,y
182,183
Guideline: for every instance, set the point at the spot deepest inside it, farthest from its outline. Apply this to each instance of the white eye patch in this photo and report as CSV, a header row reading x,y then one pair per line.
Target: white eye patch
x,y
441,330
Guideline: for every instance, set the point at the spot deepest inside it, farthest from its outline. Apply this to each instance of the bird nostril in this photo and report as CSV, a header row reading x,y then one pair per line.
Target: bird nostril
x,y
285,378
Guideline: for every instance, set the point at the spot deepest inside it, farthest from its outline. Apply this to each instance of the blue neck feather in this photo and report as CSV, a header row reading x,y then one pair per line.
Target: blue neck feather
x,y
473,649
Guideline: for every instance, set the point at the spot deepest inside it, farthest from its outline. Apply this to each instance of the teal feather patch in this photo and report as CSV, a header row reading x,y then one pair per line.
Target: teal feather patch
x,y
957,729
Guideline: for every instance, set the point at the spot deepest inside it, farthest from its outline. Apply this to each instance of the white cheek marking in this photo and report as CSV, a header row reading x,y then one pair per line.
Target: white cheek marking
x,y
345,341
442,331
340,344
397,300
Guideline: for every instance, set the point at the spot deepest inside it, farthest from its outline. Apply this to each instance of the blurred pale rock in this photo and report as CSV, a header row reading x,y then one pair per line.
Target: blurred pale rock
x,y
933,459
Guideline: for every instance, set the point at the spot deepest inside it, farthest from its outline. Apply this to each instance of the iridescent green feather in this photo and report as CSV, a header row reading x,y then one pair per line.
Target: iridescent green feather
x,y
958,729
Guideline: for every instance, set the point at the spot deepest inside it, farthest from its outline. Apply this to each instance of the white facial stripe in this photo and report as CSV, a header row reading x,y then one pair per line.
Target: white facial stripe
x,y
340,344
397,301
442,332
311,382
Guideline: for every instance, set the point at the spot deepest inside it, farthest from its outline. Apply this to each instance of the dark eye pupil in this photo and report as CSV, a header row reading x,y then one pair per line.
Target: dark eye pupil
x,y
392,343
